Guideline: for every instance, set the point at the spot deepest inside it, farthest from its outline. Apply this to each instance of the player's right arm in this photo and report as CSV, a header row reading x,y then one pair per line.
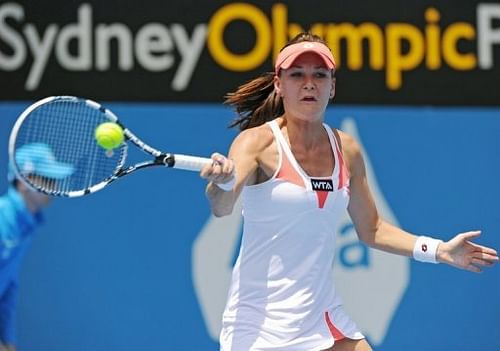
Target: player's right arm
x,y
242,163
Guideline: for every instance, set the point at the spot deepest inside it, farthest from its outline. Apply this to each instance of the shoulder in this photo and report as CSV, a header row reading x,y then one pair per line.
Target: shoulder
x,y
347,144
254,139
252,149
351,151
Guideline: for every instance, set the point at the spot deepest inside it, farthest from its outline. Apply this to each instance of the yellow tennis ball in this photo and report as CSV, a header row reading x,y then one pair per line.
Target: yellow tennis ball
x,y
109,135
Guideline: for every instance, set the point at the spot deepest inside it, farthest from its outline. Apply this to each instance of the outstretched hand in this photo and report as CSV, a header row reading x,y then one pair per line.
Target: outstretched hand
x,y
462,253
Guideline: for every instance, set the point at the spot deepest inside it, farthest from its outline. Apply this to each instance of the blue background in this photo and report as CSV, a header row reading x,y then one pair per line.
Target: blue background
x,y
112,271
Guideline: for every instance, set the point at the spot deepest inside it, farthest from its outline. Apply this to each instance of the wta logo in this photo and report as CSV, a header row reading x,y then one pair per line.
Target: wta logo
x,y
322,184
371,283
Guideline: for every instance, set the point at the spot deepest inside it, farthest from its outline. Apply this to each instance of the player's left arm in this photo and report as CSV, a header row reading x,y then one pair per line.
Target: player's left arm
x,y
374,231
371,228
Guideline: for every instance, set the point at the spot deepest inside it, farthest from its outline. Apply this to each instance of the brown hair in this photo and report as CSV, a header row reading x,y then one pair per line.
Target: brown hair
x,y
256,102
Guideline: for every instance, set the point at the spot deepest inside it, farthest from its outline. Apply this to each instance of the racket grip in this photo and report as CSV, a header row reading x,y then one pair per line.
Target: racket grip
x,y
190,163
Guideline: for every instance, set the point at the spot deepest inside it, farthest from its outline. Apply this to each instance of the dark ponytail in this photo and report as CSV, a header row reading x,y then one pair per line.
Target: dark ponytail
x,y
256,102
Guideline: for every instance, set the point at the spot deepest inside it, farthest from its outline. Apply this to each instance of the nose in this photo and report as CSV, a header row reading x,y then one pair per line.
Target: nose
x,y
308,83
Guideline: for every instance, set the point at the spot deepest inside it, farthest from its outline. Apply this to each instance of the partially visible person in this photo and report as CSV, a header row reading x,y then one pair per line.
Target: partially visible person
x,y
20,213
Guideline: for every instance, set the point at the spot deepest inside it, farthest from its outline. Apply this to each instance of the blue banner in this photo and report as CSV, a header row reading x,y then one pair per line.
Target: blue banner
x,y
143,264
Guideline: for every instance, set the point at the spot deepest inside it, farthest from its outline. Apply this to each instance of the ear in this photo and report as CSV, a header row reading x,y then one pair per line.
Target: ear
x,y
277,86
332,92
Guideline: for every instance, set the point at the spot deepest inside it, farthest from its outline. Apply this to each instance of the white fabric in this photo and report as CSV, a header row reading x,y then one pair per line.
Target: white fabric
x,y
425,249
282,291
227,186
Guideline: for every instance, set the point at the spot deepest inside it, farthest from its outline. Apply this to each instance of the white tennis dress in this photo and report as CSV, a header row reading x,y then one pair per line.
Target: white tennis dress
x,y
282,295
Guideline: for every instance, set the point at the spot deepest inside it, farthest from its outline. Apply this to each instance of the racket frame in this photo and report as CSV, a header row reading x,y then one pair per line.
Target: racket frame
x,y
179,161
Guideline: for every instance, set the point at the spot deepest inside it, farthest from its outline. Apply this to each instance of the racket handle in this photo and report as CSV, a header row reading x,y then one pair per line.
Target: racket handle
x,y
190,163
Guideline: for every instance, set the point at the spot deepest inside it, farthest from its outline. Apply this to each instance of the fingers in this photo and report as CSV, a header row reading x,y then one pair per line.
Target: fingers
x,y
483,253
481,262
220,171
463,253
470,235
473,268
222,166
485,257
477,259
483,249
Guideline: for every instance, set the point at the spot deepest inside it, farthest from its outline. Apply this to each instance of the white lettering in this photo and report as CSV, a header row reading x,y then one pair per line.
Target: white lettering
x,y
82,33
123,36
190,53
487,36
153,47
11,37
41,49
321,185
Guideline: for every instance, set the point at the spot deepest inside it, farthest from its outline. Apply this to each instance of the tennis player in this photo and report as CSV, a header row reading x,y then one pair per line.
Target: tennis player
x,y
20,214
296,176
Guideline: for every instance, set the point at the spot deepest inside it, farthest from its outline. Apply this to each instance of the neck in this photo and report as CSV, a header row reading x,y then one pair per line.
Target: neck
x,y
304,133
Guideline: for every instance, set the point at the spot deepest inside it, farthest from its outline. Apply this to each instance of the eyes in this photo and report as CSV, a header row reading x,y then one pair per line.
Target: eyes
x,y
298,73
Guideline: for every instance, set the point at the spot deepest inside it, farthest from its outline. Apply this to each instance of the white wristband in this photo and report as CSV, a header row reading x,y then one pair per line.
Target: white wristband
x,y
227,186
425,249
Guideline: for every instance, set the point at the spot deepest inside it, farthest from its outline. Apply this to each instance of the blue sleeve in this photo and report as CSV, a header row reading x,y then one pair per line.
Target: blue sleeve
x,y
8,303
16,226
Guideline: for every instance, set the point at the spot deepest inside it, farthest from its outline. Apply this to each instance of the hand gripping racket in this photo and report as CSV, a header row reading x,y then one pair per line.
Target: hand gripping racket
x,y
53,149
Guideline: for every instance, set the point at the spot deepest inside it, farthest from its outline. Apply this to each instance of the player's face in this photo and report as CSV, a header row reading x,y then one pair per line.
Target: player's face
x,y
35,199
306,87
39,199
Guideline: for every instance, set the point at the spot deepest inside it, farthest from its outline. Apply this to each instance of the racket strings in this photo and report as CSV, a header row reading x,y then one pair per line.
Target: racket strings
x,y
66,127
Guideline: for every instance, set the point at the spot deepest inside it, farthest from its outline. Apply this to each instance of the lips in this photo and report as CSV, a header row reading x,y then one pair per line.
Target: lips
x,y
308,98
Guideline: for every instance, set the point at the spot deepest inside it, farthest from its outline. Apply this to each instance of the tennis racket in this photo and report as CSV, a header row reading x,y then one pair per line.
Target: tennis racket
x,y
52,148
